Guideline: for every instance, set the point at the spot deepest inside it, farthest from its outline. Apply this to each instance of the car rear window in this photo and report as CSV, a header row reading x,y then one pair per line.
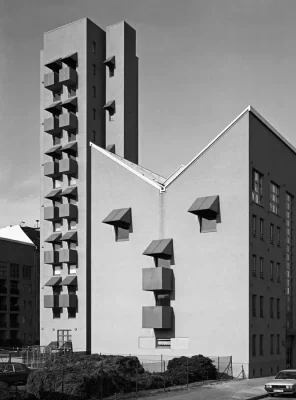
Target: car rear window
x,y
18,367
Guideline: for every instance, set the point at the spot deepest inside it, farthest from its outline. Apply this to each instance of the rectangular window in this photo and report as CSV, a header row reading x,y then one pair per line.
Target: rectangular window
x,y
261,228
271,344
94,136
274,203
271,307
72,269
57,183
56,312
278,309
57,246
94,114
254,301
271,270
254,224
64,336
261,345
57,226
27,272
278,236
261,307
163,343
254,266
3,269
257,187
94,47
254,345
271,233
261,268
278,272
94,92
71,312
72,224
14,270
57,270
94,69
277,344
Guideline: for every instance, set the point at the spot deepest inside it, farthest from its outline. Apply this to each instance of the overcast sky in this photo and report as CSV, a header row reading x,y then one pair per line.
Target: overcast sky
x,y
201,63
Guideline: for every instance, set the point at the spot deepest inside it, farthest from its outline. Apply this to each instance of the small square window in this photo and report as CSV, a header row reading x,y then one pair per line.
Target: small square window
x,y
94,69
72,224
72,269
111,117
94,47
71,312
57,270
207,225
56,312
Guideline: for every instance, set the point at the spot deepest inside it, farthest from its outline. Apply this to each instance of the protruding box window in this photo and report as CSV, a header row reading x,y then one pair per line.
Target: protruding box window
x,y
70,104
110,63
157,317
51,82
50,257
68,121
68,211
121,219
161,249
157,279
51,169
51,125
68,256
68,167
51,213
207,210
68,77
111,108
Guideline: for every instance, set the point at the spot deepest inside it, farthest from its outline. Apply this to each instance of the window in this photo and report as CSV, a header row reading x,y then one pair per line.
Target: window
x,y
3,269
56,140
72,224
257,187
271,233
71,312
261,306
30,288
271,270
271,307
27,272
64,336
261,345
111,117
57,183
94,136
56,312
72,180
57,246
163,343
94,69
277,344
254,300
274,203
278,236
23,320
94,114
94,47
253,345
30,321
72,269
254,268
278,272
261,268
121,234
57,270
261,227
57,226
94,92
254,224
261,371
14,270
271,344
278,309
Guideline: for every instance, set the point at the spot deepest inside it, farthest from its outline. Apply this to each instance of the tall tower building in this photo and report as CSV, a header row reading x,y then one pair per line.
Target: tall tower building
x,y
81,82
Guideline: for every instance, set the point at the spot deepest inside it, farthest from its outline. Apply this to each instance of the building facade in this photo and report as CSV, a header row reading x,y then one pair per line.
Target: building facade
x,y
133,262
19,286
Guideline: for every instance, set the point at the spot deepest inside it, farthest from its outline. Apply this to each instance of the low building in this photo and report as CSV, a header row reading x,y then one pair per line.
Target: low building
x,y
19,286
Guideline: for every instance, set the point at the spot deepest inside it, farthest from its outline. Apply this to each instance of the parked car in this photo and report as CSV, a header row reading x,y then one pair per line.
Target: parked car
x,y
283,383
14,372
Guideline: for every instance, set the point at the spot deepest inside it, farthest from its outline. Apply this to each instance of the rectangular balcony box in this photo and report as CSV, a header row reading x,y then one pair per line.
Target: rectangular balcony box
x,y
51,82
68,121
68,167
51,257
68,300
157,279
51,125
51,301
68,211
51,169
51,213
157,317
68,256
68,77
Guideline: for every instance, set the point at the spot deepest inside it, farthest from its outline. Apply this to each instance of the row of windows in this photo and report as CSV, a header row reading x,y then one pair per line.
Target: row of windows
x,y
257,192
274,234
272,272
261,371
14,270
274,344
261,307
72,269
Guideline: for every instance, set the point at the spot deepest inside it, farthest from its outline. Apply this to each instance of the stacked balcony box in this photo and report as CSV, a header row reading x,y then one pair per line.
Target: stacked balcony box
x,y
68,121
68,256
51,125
51,213
51,257
68,300
157,279
68,167
68,211
51,301
51,169
68,77
51,82
157,317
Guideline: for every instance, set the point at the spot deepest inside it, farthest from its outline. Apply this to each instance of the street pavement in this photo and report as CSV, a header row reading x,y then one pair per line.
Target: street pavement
x,y
244,389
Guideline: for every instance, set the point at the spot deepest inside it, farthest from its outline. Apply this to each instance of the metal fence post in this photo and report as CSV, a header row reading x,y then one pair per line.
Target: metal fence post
x,y
161,363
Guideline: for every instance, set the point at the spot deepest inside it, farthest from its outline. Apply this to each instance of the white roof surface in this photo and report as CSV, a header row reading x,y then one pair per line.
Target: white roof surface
x,y
16,233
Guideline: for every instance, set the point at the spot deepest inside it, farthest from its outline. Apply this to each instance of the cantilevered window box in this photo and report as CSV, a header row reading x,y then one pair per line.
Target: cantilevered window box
x,y
51,125
51,82
54,194
70,104
121,219
70,148
71,60
51,257
68,121
69,167
157,317
68,211
68,77
70,192
157,279
68,300
68,256
51,301
51,169
207,209
55,151
51,213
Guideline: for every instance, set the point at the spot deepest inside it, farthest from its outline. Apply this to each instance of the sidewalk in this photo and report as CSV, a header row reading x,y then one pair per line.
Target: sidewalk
x,y
243,389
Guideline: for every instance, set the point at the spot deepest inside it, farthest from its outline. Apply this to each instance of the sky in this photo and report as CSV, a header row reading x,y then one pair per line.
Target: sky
x,y
201,63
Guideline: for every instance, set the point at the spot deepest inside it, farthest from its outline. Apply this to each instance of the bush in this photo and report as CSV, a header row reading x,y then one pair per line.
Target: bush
x,y
6,392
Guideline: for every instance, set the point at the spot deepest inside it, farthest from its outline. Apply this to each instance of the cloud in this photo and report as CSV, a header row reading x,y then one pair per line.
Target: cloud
x,y
23,208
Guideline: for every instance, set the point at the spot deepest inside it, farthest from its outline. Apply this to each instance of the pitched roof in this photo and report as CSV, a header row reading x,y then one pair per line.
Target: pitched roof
x,y
19,234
